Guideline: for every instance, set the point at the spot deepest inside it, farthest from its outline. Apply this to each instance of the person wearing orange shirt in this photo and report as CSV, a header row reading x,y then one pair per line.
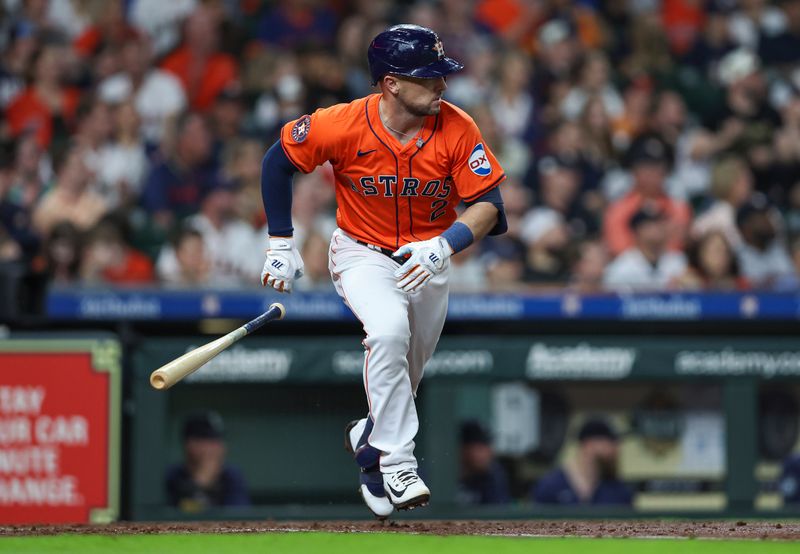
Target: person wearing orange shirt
x,y
403,160
649,160
203,71
109,258
45,102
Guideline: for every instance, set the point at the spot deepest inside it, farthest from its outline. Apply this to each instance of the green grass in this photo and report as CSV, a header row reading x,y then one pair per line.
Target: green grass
x,y
382,543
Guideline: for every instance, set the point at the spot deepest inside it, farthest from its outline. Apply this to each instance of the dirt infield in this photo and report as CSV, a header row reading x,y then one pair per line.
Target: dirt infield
x,y
620,529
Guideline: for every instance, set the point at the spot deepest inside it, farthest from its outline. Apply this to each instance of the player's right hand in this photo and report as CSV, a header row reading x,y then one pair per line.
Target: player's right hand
x,y
283,264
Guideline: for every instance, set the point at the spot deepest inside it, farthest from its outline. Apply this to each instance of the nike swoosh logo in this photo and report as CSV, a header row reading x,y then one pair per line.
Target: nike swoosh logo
x,y
360,153
394,492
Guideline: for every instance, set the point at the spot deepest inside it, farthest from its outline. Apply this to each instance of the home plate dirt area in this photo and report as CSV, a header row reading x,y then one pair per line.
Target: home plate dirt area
x,y
771,530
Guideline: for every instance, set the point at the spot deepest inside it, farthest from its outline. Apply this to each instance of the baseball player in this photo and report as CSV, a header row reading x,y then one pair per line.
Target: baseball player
x,y
403,159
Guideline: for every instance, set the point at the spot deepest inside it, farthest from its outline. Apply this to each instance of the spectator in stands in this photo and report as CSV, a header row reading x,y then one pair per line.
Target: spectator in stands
x,y
18,241
483,480
779,47
594,82
571,148
15,58
649,160
648,265
635,118
784,172
174,187
204,480
94,127
45,107
467,271
297,23
589,267
242,163
32,170
744,122
595,128
471,87
691,170
590,477
156,94
312,195
732,186
202,69
108,256
71,199
228,241
107,30
712,265
161,20
560,191
792,213
558,55
123,161
547,238
193,268
227,116
755,19
762,254
315,257
512,106
61,254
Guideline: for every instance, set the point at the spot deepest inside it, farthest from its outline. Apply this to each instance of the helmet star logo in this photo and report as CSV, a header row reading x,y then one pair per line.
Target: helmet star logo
x,y
439,49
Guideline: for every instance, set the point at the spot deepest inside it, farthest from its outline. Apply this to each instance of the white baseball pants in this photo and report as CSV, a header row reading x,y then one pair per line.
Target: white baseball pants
x,y
401,334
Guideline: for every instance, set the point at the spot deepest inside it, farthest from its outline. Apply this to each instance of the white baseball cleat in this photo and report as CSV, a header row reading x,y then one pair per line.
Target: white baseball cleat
x,y
406,489
370,479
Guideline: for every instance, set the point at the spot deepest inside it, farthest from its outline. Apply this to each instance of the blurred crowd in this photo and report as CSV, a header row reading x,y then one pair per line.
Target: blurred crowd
x,y
648,144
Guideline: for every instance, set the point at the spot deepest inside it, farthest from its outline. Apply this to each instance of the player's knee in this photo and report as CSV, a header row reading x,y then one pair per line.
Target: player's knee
x,y
389,343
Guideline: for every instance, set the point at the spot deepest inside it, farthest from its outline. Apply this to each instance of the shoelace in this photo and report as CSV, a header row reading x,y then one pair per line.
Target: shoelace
x,y
407,477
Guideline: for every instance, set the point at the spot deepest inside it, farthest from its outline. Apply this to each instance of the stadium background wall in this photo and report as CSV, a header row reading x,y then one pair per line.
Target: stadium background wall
x,y
285,395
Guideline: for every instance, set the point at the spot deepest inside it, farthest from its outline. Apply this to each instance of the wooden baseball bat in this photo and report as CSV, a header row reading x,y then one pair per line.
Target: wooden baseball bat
x,y
169,374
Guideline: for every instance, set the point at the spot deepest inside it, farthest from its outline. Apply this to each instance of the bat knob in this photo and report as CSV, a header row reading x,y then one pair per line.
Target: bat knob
x,y
280,308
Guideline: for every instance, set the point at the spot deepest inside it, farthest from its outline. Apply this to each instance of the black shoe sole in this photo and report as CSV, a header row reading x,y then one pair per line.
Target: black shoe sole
x,y
417,502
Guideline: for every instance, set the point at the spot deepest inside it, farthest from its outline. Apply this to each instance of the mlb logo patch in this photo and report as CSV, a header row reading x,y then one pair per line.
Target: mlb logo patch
x,y
479,161
301,128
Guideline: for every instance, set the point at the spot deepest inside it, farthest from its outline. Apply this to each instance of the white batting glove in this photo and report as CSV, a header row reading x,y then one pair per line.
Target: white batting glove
x,y
283,264
428,258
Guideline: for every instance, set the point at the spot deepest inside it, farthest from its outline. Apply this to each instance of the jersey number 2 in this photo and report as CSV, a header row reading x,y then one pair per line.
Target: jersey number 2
x,y
437,209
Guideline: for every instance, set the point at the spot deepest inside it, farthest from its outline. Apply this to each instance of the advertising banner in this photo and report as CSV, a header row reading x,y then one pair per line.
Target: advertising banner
x,y
59,431
551,358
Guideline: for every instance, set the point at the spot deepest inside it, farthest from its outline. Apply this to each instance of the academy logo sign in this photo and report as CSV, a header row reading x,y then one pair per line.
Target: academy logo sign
x,y
479,161
245,365
582,361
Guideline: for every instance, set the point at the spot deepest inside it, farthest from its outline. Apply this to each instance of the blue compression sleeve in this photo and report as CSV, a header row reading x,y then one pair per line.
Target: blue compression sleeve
x,y
493,197
459,236
277,172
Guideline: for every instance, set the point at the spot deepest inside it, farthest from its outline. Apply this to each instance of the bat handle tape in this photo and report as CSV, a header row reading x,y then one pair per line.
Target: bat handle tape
x,y
275,311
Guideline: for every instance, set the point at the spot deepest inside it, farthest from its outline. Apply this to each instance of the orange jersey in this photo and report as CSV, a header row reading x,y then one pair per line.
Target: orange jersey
x,y
387,193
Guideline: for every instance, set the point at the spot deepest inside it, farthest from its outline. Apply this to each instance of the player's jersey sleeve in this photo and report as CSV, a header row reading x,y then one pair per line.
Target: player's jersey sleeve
x,y
475,169
312,140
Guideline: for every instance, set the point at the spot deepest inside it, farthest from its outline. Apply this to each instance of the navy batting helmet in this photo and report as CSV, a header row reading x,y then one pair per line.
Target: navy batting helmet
x,y
409,50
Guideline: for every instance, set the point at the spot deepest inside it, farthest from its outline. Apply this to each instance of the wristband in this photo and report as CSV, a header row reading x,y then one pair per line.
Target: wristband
x,y
458,236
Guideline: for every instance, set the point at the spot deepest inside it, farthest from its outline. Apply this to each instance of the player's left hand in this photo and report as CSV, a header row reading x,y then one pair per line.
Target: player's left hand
x,y
426,259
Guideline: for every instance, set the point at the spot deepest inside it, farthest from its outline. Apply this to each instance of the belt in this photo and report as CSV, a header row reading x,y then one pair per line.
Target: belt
x,y
385,251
